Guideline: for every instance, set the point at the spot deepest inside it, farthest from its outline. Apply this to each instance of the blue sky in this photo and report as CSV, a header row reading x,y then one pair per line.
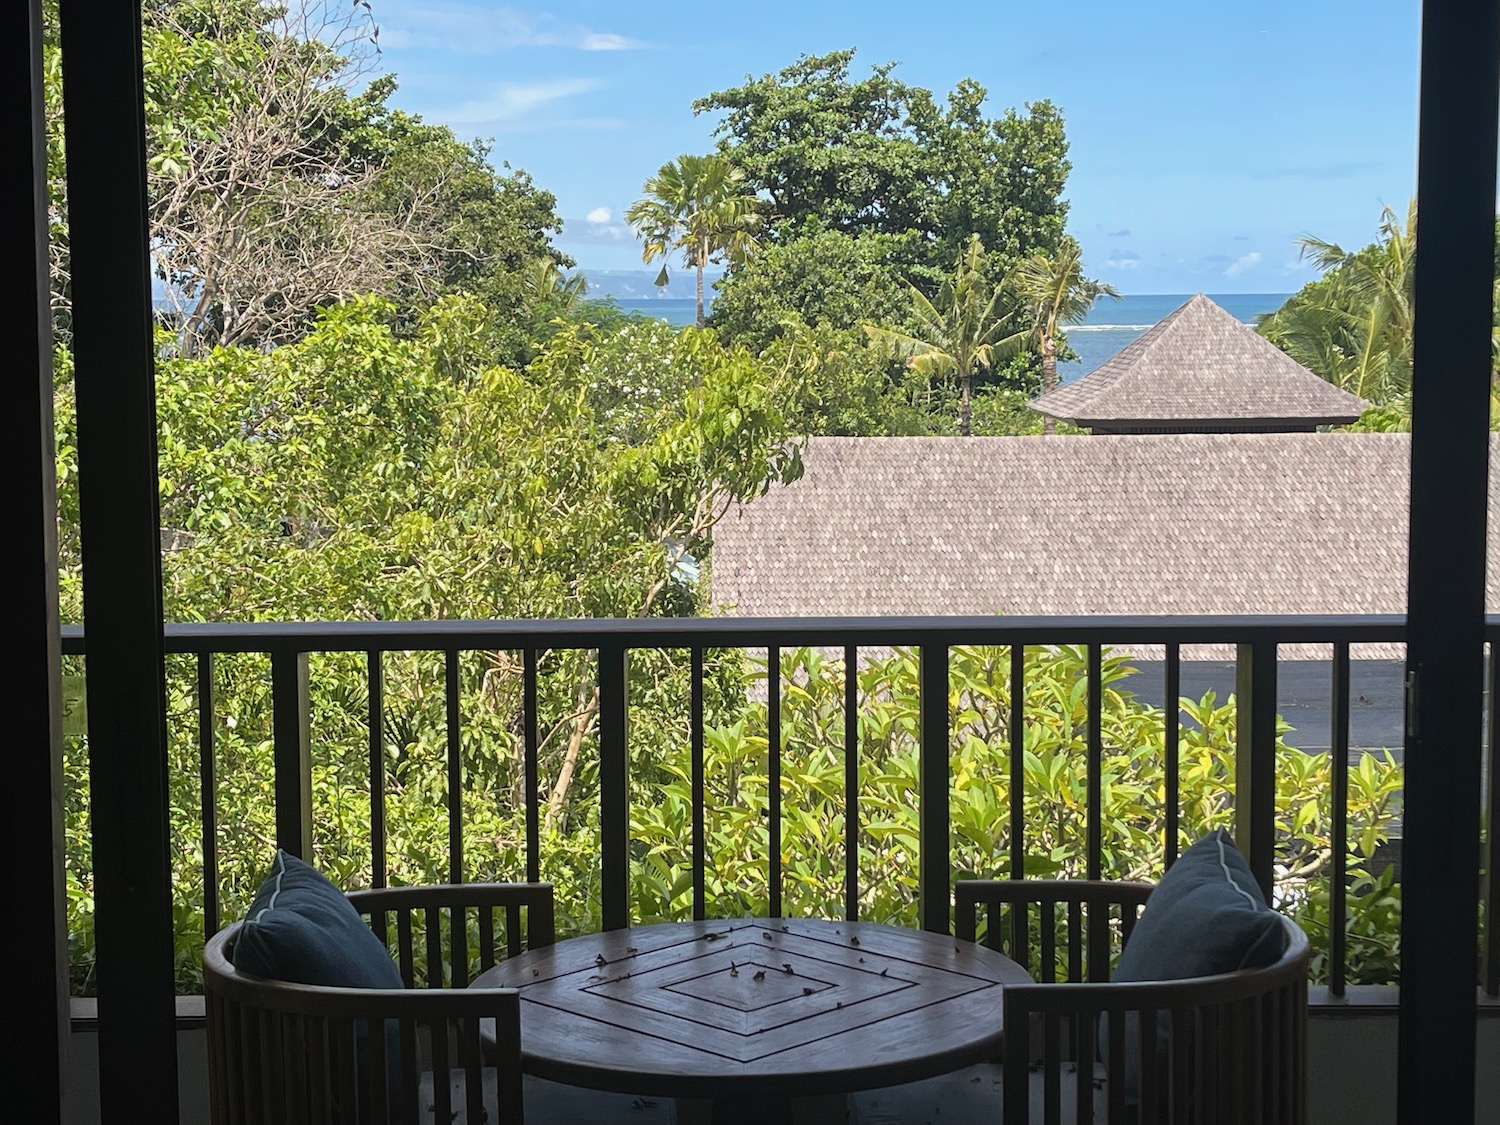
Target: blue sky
x,y
1205,137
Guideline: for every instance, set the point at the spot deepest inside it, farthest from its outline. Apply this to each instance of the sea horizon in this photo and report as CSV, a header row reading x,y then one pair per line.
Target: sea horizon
x,y
1110,326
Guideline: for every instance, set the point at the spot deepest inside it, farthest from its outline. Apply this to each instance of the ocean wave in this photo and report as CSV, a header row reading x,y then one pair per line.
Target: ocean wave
x,y
1122,327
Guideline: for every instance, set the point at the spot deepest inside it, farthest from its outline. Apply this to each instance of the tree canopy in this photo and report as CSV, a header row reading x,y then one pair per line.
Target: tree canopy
x,y
698,205
280,179
1353,325
874,186
878,156
959,334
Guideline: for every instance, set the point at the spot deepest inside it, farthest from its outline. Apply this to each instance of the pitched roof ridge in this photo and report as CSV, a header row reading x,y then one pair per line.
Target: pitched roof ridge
x,y
1107,373
1200,362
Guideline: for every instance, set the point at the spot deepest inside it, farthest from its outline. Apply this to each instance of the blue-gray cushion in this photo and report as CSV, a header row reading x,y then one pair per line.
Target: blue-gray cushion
x,y
302,929
1206,916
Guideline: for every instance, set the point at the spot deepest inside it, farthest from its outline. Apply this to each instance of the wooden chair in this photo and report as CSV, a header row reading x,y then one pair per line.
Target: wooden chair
x,y
1214,1050
1218,1050
283,1053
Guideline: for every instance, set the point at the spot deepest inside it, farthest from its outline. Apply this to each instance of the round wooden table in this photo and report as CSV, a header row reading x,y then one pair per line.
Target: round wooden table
x,y
753,1014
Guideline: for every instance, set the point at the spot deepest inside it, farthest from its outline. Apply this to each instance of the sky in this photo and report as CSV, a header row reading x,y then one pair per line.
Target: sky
x,y
1206,138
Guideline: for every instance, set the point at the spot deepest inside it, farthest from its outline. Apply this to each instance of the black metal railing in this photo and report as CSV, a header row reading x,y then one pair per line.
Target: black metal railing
x,y
1255,640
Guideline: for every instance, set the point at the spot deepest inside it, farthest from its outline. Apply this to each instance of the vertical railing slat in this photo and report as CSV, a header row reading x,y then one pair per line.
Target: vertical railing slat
x,y
1338,753
1255,759
531,782
851,783
207,794
1094,801
773,774
1492,830
455,767
934,866
292,741
614,795
700,828
375,679
1018,790
1172,710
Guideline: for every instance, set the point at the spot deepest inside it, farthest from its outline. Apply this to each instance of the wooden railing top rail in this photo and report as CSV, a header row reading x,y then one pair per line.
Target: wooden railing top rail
x,y
756,632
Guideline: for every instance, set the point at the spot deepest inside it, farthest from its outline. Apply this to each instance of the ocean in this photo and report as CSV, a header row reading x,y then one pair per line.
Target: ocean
x,y
1109,327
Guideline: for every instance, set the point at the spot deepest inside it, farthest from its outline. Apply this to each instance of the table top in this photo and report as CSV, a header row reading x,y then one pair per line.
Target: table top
x,y
764,1008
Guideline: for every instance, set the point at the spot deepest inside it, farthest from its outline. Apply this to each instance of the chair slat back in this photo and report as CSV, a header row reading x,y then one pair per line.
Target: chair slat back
x,y
447,935
1072,929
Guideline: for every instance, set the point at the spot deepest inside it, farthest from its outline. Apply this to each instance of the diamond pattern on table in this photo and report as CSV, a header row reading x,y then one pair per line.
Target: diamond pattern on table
x,y
746,992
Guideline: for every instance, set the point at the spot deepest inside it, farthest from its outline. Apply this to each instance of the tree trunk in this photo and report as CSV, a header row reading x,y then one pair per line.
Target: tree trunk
x,y
1049,378
964,382
702,260
583,722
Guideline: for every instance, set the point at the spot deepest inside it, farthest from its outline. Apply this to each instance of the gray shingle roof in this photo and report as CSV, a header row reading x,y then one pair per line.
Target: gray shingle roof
x,y
1290,523
1200,364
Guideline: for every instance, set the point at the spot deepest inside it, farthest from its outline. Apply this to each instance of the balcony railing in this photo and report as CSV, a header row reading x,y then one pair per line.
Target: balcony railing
x,y
608,644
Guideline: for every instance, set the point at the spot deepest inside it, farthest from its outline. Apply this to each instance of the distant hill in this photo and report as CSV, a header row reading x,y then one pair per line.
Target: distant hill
x,y
639,285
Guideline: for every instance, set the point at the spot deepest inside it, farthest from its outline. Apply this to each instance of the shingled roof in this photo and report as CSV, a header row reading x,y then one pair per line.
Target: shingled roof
x,y
1200,369
1123,524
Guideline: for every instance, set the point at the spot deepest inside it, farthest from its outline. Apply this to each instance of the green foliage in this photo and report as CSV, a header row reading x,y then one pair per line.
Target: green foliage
x,y
849,385
825,279
698,205
813,798
1133,821
1002,411
364,473
1353,325
959,335
280,179
1055,292
490,230
875,189
877,156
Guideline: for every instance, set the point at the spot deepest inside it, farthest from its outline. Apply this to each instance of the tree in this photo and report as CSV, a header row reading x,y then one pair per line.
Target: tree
x,y
279,179
877,156
959,334
824,279
699,205
486,229
1055,291
1354,326
255,208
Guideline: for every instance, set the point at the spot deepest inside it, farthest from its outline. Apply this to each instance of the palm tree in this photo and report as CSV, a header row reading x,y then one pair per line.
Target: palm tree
x,y
552,290
1354,325
699,205
1054,289
959,334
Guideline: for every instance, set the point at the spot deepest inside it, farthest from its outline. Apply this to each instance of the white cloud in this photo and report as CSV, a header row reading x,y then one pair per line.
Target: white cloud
x,y
1122,263
511,103
479,29
1242,263
607,41
599,228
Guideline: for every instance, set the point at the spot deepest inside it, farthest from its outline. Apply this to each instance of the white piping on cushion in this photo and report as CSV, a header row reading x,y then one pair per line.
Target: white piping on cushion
x,y
1229,877
280,871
